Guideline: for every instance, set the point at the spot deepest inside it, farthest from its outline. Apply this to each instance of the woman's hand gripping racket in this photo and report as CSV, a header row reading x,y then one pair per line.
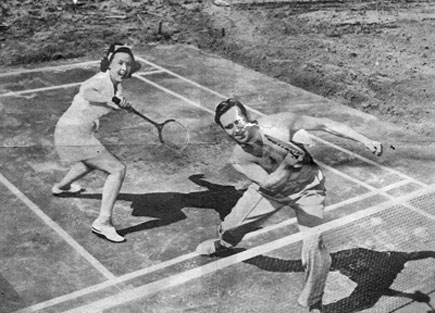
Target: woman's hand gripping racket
x,y
172,134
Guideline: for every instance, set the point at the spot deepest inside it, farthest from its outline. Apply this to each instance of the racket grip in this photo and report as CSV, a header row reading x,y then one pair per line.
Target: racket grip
x,y
116,100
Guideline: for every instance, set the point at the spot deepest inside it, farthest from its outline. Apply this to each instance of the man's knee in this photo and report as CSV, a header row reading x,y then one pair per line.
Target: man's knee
x,y
313,240
314,249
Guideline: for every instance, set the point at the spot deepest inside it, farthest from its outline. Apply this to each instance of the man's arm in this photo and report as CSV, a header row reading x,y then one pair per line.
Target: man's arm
x,y
340,130
246,164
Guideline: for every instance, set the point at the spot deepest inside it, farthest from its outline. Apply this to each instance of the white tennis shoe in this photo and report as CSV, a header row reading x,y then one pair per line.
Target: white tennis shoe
x,y
73,189
107,232
210,247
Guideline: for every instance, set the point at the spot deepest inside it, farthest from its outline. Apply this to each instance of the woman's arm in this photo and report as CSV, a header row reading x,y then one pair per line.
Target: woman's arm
x,y
93,95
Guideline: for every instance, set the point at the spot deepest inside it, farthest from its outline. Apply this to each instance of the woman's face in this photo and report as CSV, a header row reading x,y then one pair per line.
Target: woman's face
x,y
120,67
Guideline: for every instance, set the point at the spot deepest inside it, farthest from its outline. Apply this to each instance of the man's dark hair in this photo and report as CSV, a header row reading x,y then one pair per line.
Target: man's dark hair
x,y
225,105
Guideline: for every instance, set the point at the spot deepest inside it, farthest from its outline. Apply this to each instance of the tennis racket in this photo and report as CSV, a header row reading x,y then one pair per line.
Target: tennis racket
x,y
296,153
172,134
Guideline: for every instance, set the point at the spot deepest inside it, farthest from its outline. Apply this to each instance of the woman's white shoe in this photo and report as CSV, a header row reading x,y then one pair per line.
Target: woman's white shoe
x,y
107,232
73,189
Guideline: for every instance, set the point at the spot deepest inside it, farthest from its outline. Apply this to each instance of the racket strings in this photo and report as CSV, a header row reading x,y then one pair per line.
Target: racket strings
x,y
174,135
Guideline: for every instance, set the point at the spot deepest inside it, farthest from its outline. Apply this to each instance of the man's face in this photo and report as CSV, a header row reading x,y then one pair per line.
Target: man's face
x,y
236,125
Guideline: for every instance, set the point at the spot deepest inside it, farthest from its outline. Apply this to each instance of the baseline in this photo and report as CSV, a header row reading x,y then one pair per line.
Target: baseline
x,y
59,230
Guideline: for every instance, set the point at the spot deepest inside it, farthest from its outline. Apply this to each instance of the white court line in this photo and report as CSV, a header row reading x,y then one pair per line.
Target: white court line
x,y
106,284
150,72
198,105
184,99
161,69
172,93
27,91
49,68
348,177
262,114
420,211
379,191
329,208
59,230
182,258
181,278
371,162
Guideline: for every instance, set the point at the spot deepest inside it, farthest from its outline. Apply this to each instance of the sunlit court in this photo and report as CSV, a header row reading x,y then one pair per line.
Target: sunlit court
x,y
379,221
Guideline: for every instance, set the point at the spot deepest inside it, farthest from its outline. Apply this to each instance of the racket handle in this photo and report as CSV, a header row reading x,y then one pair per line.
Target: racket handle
x,y
116,100
133,110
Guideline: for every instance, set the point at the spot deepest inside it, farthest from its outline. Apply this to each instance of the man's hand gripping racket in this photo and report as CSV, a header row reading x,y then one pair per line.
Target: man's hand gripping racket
x,y
172,134
295,155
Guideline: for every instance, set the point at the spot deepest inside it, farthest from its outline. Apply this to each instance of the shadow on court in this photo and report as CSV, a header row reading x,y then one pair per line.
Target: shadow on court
x,y
373,272
167,207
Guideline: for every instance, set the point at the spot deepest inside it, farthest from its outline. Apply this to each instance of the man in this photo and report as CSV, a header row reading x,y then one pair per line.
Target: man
x,y
283,175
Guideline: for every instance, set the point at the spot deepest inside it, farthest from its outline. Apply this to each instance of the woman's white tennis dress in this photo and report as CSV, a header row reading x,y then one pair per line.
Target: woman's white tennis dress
x,y
74,135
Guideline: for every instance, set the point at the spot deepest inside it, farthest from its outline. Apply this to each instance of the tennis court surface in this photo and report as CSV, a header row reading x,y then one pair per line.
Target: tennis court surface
x,y
380,219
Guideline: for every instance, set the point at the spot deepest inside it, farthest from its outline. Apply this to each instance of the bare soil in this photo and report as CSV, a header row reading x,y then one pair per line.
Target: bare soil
x,y
375,56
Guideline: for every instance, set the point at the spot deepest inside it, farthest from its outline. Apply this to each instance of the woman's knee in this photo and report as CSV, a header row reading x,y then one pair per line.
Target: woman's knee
x,y
118,169
107,163
122,169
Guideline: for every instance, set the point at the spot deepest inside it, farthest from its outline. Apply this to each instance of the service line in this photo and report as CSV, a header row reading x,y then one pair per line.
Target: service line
x,y
27,91
355,155
49,68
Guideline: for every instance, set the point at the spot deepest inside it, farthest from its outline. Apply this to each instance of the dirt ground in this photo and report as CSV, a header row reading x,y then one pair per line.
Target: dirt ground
x,y
376,56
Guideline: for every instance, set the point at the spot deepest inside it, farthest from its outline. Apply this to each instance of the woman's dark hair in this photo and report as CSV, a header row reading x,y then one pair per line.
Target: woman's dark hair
x,y
115,48
224,106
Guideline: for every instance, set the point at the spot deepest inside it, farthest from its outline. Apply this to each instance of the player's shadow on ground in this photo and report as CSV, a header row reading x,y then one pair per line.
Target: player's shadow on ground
x,y
373,271
166,207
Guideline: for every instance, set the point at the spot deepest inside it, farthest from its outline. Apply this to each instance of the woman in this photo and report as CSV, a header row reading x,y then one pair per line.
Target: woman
x,y
75,141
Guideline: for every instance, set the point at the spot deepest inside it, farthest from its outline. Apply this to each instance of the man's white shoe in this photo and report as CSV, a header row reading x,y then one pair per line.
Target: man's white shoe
x,y
107,232
73,189
209,247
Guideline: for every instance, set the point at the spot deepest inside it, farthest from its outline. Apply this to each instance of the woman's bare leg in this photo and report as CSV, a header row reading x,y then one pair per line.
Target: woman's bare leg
x,y
116,170
77,171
